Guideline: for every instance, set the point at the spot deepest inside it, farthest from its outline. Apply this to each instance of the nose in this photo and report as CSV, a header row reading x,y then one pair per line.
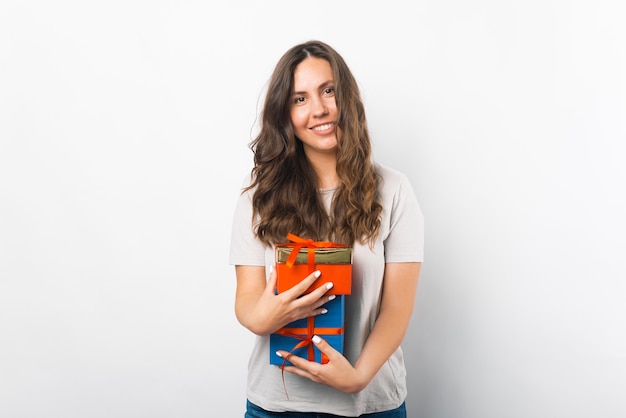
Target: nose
x,y
319,107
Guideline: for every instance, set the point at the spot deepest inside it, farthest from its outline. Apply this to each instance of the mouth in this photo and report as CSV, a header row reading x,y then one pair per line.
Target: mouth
x,y
323,127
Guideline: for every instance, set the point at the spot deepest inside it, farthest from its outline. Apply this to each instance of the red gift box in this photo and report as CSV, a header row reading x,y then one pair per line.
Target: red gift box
x,y
301,257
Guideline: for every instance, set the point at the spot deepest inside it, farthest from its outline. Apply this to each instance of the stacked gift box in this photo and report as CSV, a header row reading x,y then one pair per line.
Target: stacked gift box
x,y
295,261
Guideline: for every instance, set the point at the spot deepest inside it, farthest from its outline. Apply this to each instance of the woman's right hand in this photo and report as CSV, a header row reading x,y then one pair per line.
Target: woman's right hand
x,y
262,311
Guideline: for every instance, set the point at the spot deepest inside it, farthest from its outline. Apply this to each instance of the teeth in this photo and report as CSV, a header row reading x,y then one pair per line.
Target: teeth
x,y
323,127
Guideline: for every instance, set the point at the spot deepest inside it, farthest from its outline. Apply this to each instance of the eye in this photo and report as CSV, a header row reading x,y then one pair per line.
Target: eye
x,y
329,91
299,100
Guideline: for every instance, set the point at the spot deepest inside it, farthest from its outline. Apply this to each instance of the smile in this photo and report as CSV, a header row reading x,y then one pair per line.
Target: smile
x,y
322,127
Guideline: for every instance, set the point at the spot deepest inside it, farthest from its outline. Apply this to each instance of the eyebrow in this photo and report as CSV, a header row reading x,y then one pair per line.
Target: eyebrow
x,y
321,86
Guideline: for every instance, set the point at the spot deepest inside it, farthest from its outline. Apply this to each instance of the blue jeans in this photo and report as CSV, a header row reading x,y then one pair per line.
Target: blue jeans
x,y
253,411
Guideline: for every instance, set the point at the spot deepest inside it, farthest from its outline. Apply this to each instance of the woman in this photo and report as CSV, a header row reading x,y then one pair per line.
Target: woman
x,y
313,176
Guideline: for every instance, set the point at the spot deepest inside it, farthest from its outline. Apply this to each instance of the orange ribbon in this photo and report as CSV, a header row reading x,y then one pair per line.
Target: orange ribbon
x,y
310,246
306,334
307,341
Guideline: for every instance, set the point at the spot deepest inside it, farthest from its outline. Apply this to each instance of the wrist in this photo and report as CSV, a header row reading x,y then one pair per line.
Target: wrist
x,y
360,382
255,325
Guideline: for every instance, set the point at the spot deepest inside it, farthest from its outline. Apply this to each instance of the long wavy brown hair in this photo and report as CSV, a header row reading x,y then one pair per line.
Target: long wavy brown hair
x,y
286,197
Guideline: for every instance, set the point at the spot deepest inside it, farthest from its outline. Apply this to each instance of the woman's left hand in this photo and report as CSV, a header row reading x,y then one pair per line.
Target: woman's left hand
x,y
400,285
337,373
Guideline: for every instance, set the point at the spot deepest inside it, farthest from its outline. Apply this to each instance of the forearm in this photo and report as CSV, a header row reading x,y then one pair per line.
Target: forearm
x,y
261,311
393,319
385,338
248,297
245,310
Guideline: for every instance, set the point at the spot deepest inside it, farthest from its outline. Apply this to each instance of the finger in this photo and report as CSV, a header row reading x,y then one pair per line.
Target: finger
x,y
271,281
321,291
298,363
318,311
302,373
317,297
305,283
325,348
319,304
316,307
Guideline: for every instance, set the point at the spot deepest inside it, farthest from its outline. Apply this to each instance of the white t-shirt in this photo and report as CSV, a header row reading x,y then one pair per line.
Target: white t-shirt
x,y
401,239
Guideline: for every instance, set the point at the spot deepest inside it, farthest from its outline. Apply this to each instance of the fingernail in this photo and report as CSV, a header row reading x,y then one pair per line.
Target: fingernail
x,y
280,355
316,339
331,297
317,273
324,310
329,285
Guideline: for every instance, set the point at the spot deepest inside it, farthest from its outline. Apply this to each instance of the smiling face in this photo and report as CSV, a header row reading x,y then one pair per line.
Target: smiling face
x,y
313,109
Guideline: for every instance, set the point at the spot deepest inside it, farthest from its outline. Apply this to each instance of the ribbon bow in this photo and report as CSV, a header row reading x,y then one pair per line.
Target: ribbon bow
x,y
310,246
306,337
306,334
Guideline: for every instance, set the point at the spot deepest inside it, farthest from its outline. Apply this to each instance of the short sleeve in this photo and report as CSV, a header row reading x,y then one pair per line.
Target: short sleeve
x,y
245,248
405,241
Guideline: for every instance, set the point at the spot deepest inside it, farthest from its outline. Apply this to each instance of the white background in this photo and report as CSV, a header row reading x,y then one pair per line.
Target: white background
x,y
124,128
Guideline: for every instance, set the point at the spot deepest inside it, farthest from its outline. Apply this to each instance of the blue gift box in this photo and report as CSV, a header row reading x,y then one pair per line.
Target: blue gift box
x,y
328,326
